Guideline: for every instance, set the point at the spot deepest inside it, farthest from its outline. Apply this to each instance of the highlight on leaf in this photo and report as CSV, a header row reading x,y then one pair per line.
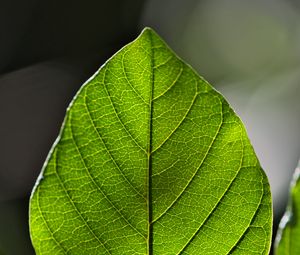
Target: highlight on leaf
x,y
287,239
150,160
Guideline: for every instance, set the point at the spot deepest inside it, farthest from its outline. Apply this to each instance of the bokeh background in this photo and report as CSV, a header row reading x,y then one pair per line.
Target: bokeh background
x,y
248,49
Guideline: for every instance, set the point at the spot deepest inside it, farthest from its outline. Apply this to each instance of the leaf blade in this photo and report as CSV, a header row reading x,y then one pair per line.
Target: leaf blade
x,y
150,160
287,239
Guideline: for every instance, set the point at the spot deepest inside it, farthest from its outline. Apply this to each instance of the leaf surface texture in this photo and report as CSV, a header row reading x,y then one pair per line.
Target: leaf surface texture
x,y
151,160
288,235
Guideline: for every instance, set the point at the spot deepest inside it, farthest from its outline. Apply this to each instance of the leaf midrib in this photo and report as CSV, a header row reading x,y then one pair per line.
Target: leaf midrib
x,y
149,155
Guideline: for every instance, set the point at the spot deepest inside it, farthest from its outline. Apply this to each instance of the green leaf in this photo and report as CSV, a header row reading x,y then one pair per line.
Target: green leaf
x,y
288,235
151,160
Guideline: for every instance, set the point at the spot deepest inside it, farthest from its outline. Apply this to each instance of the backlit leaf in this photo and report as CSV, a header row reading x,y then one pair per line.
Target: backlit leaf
x,y
150,160
288,235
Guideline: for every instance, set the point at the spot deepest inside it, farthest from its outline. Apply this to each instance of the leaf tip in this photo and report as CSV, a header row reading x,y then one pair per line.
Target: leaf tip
x,y
148,31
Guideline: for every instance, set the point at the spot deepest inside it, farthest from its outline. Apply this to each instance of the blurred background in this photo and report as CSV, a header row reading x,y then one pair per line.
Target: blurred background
x,y
248,49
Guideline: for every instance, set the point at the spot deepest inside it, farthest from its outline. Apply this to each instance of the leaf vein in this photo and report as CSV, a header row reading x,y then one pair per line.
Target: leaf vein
x,y
47,225
172,83
163,63
107,150
181,121
192,178
77,210
129,83
216,205
98,187
249,225
118,117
